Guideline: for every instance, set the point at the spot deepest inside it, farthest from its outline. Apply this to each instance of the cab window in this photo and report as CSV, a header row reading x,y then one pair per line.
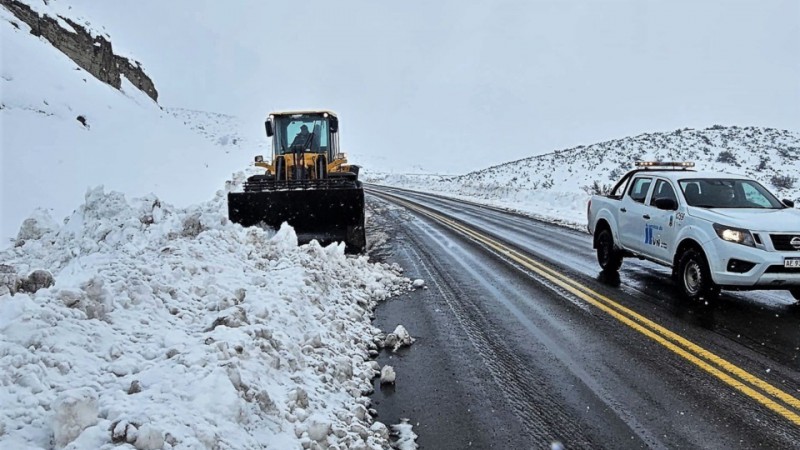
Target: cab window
x,y
639,188
755,197
663,190
621,187
301,132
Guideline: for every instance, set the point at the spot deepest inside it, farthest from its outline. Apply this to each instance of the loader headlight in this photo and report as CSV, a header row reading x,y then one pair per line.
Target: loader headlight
x,y
259,158
737,235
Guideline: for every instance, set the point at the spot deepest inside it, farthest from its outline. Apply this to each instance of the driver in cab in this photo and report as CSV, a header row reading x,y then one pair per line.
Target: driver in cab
x,y
303,138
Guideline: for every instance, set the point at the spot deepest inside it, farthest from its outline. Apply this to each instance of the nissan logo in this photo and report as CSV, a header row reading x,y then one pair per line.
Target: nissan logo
x,y
795,242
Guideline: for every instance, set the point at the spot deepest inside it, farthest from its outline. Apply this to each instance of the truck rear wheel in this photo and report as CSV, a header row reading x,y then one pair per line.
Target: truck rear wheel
x,y
609,258
694,276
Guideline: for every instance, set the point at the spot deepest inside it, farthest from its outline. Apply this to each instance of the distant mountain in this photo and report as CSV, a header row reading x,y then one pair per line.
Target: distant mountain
x,y
566,177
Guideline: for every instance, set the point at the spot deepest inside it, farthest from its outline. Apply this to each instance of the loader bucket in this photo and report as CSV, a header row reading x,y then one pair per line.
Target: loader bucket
x,y
327,215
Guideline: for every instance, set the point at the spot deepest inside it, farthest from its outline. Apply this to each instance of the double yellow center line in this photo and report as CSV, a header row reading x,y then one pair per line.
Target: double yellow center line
x,y
748,384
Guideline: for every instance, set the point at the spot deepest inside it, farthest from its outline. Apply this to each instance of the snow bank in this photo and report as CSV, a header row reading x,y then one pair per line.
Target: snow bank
x,y
171,327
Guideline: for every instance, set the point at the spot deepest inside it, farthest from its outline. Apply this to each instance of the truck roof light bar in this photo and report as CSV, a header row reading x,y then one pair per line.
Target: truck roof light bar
x,y
670,164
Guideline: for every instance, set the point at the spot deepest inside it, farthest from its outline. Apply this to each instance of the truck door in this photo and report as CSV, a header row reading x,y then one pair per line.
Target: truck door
x,y
660,227
631,212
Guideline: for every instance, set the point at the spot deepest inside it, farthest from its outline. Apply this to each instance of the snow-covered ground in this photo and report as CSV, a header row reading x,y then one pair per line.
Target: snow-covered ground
x,y
135,315
557,186
173,328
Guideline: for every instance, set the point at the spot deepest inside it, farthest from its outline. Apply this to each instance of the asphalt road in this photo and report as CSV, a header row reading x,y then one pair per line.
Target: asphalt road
x,y
523,343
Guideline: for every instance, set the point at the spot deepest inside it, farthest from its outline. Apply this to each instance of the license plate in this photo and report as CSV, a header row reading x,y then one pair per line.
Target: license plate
x,y
791,262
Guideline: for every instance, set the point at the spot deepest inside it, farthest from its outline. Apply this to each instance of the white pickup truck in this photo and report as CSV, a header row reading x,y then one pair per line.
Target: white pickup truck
x,y
716,230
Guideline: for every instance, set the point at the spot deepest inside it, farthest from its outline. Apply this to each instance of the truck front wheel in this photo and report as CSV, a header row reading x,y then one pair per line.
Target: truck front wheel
x,y
694,276
609,258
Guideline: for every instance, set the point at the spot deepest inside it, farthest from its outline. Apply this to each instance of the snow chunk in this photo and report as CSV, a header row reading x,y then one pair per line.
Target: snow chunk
x,y
285,238
398,338
380,430
418,283
318,430
387,375
75,410
143,437
9,280
148,438
93,298
405,436
216,393
38,279
232,318
37,225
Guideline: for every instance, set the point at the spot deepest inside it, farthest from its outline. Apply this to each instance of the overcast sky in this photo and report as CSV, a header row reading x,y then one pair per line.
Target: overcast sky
x,y
453,86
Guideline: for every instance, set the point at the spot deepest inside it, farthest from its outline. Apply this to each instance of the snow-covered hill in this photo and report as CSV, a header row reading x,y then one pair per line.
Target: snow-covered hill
x,y
556,186
232,133
64,131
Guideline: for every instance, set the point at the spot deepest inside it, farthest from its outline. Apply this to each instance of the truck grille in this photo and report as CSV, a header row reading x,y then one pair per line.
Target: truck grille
x,y
783,242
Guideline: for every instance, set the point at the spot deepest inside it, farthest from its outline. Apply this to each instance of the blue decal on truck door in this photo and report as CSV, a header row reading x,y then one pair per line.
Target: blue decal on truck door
x,y
649,237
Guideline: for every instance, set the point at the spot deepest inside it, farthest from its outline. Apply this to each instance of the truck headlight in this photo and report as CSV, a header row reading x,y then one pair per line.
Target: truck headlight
x,y
737,235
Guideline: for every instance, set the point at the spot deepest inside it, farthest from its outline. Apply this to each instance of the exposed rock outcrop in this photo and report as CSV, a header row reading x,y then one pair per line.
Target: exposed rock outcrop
x,y
92,53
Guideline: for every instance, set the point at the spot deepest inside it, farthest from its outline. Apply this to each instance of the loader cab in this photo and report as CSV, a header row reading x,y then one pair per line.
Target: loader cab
x,y
304,132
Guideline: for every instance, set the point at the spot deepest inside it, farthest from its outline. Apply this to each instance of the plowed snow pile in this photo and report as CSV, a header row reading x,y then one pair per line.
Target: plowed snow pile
x,y
173,328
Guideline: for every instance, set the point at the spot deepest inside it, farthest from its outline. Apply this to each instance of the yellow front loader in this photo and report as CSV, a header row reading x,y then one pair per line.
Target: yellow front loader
x,y
308,183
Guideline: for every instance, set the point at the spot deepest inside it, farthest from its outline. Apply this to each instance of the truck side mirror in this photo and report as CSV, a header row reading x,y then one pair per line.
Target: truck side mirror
x,y
334,124
268,126
788,203
667,204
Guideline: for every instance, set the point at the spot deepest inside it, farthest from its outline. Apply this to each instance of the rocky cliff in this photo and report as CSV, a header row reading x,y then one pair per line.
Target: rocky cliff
x,y
92,53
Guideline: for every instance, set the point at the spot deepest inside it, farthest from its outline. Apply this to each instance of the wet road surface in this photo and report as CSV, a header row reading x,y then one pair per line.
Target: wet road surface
x,y
506,358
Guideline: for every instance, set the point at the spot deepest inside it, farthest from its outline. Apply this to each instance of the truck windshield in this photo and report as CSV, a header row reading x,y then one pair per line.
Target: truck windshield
x,y
727,193
301,133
